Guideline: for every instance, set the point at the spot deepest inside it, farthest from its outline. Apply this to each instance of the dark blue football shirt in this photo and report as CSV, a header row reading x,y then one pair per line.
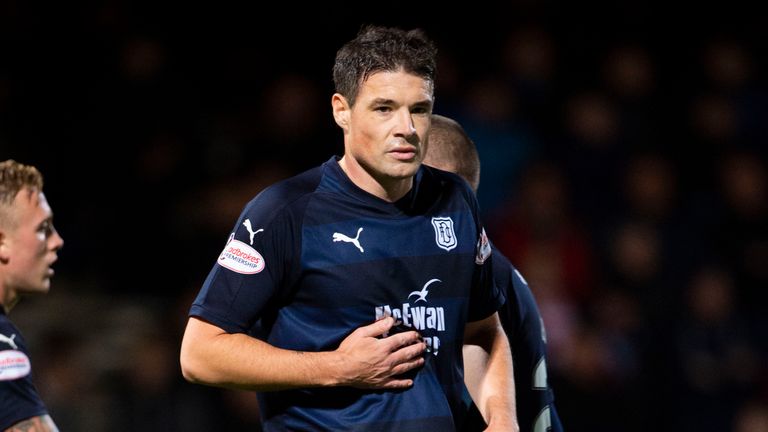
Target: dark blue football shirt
x,y
314,257
522,321
524,327
18,397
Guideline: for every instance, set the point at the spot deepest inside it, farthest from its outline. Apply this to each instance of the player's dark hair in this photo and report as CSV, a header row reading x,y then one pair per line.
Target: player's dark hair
x,y
377,49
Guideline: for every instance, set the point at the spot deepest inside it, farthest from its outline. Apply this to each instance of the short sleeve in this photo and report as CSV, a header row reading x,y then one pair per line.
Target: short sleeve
x,y
250,271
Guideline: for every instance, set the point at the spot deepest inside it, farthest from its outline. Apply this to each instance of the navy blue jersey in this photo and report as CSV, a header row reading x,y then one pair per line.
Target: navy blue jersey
x,y
18,397
314,257
522,322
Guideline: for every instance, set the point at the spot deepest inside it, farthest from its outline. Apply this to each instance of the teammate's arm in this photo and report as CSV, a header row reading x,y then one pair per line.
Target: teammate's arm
x,y
490,380
43,423
211,356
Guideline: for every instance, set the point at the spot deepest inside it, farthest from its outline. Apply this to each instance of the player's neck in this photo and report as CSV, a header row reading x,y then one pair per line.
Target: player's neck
x,y
8,298
388,189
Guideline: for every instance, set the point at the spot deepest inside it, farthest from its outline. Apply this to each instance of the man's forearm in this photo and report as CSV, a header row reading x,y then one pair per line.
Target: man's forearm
x,y
364,359
213,357
490,376
498,389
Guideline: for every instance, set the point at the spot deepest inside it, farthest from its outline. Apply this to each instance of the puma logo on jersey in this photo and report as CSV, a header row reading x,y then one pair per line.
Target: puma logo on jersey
x,y
337,237
9,340
424,291
251,232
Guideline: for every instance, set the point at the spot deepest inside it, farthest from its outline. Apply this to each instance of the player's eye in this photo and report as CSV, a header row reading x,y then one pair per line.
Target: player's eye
x,y
46,228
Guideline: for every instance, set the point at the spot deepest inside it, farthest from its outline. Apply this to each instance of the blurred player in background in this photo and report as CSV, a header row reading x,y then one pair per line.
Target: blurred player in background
x,y
450,149
28,247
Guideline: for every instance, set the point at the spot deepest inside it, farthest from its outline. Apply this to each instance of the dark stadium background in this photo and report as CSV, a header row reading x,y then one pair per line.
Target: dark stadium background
x,y
155,123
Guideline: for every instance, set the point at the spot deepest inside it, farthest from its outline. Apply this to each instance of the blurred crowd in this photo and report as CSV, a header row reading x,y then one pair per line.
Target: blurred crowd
x,y
623,172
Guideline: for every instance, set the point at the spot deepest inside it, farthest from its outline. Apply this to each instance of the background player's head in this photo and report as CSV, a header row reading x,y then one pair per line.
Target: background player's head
x,y
451,149
28,240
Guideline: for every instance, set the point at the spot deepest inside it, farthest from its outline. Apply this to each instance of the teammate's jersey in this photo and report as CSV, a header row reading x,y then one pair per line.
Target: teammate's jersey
x,y
315,257
18,397
522,321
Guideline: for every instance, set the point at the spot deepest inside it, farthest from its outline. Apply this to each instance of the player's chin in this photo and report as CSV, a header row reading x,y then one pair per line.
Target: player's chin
x,y
44,284
405,169
39,287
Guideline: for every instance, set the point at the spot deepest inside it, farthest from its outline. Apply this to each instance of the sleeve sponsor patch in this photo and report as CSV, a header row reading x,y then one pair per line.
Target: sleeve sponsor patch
x,y
241,258
483,248
13,365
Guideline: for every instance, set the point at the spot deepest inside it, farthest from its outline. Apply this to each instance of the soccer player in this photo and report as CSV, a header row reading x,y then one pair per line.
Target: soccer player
x,y
366,274
450,149
28,247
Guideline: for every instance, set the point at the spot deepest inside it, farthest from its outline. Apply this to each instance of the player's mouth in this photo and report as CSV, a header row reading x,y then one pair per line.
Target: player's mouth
x,y
405,153
50,271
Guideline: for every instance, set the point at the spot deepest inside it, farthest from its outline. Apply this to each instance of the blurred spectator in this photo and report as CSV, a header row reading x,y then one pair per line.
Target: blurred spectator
x,y
489,115
716,361
629,77
591,154
741,234
530,64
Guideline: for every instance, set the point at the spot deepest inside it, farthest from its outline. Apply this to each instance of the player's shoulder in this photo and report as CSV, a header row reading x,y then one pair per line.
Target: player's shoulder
x,y
521,291
284,193
449,182
509,277
446,177
520,285
518,280
5,323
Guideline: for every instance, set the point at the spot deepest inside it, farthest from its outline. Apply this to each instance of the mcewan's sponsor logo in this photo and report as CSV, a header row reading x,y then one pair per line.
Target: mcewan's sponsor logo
x,y
421,317
241,258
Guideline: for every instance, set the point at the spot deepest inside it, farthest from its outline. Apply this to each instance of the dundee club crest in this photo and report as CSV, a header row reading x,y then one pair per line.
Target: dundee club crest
x,y
445,236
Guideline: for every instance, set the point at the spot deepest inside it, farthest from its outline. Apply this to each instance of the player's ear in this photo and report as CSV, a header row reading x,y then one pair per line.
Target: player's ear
x,y
341,110
5,251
